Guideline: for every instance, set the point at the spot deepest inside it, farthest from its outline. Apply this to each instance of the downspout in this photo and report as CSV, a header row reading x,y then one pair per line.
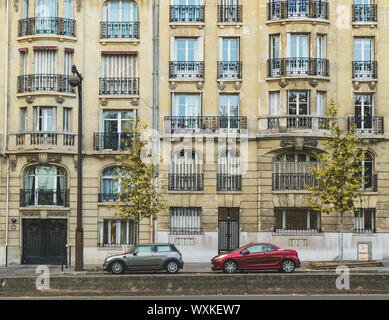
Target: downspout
x,y
6,131
152,222
157,105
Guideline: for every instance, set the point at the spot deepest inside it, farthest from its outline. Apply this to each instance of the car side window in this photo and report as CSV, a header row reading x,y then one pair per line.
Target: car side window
x,y
143,249
257,248
271,248
163,249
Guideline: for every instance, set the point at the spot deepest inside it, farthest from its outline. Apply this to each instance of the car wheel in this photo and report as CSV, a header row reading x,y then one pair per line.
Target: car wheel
x,y
288,266
230,266
117,267
172,267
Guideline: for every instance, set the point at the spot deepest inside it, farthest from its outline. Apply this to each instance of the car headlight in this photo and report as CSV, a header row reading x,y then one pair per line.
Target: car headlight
x,y
220,257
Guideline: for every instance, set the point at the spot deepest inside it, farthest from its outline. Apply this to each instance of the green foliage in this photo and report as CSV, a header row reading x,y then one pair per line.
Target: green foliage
x,y
140,195
339,176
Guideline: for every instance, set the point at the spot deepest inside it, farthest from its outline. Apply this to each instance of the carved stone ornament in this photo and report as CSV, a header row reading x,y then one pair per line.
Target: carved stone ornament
x,y
54,158
104,102
32,158
63,214
173,85
313,83
292,142
200,85
16,5
30,99
13,162
372,85
283,83
237,85
221,85
135,102
79,5
30,213
356,85
60,99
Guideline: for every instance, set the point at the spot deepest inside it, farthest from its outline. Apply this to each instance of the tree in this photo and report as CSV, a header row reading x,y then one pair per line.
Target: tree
x,y
137,179
338,178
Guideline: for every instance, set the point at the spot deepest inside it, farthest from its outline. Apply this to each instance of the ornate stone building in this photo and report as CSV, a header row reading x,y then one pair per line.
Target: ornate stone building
x,y
236,93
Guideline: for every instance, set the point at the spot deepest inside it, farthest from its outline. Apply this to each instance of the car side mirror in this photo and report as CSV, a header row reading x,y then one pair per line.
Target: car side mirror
x,y
245,252
134,254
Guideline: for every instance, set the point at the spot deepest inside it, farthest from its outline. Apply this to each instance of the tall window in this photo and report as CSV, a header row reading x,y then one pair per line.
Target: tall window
x,y
229,112
229,171
185,220
45,16
321,55
296,220
23,120
274,56
187,58
115,126
120,19
114,233
364,220
67,119
186,112
364,112
298,56
44,119
45,185
298,107
229,64
363,63
110,188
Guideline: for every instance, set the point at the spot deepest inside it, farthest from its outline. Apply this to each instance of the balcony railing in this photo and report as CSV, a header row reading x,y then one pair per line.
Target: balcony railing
x,y
229,70
41,197
45,139
283,124
364,13
119,30
365,69
363,230
111,141
292,181
186,182
119,86
44,82
297,9
51,25
186,69
108,197
204,124
228,13
189,13
371,125
284,67
228,182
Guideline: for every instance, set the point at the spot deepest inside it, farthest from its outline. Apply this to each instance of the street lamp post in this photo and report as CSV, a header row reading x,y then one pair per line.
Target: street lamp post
x,y
75,80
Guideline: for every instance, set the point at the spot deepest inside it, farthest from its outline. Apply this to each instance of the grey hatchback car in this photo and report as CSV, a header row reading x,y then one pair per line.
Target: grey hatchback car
x,y
146,257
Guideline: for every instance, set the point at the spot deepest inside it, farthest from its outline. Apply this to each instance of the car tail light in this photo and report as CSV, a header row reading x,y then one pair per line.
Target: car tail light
x,y
294,253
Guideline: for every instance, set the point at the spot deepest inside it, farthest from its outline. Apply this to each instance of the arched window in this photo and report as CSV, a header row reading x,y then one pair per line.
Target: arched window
x,y
291,171
186,168
229,176
45,185
120,19
110,188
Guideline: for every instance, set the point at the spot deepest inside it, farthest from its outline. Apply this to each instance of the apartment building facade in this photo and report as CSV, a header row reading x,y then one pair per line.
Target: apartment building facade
x,y
236,93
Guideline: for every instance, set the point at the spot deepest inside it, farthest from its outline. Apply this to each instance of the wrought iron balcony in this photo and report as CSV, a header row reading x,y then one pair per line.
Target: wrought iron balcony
x,y
229,13
119,86
44,82
292,181
52,25
297,9
42,197
229,182
112,140
108,197
365,69
229,70
186,182
44,139
186,69
204,124
364,12
282,123
187,13
370,125
119,30
289,67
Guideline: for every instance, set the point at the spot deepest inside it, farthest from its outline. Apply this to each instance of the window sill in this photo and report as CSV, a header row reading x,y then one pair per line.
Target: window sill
x,y
306,20
302,233
199,25
134,41
60,38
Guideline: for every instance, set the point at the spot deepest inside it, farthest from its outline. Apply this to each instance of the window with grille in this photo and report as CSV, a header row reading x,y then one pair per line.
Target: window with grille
x,y
114,233
364,221
185,220
297,220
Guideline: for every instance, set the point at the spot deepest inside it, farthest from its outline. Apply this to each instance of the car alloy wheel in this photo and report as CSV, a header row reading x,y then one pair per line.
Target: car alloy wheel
x,y
172,267
288,266
230,266
117,267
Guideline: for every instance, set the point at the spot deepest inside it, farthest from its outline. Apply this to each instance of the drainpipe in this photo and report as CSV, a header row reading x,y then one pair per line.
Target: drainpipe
x,y
157,105
6,131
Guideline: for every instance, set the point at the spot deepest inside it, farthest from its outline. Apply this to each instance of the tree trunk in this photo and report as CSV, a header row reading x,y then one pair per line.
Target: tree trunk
x,y
341,238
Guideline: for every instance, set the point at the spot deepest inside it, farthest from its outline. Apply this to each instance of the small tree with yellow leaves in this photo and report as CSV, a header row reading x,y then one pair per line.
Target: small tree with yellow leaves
x,y
137,178
339,175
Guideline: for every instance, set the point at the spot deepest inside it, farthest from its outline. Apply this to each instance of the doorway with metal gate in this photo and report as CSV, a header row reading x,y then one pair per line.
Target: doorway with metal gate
x,y
228,223
44,241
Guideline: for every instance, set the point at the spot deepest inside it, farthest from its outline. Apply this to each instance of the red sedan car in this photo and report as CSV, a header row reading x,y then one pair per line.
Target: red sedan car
x,y
257,256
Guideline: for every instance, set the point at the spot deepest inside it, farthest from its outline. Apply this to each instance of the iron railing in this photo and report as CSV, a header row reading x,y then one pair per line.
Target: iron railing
x,y
229,69
363,230
301,66
119,86
42,197
204,124
229,13
364,13
112,140
187,13
373,125
186,182
297,9
364,69
108,197
44,82
119,30
292,181
229,182
47,25
186,69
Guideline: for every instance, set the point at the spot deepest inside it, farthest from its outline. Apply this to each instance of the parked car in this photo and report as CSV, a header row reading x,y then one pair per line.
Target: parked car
x,y
257,256
146,257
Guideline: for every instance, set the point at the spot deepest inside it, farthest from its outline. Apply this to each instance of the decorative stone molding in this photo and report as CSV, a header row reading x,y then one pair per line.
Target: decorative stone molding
x,y
54,158
79,5
173,85
237,85
60,99
313,83
104,102
372,85
32,158
13,162
29,213
356,85
221,85
298,143
283,83
30,99
43,158
16,5
75,161
135,102
200,85
63,214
